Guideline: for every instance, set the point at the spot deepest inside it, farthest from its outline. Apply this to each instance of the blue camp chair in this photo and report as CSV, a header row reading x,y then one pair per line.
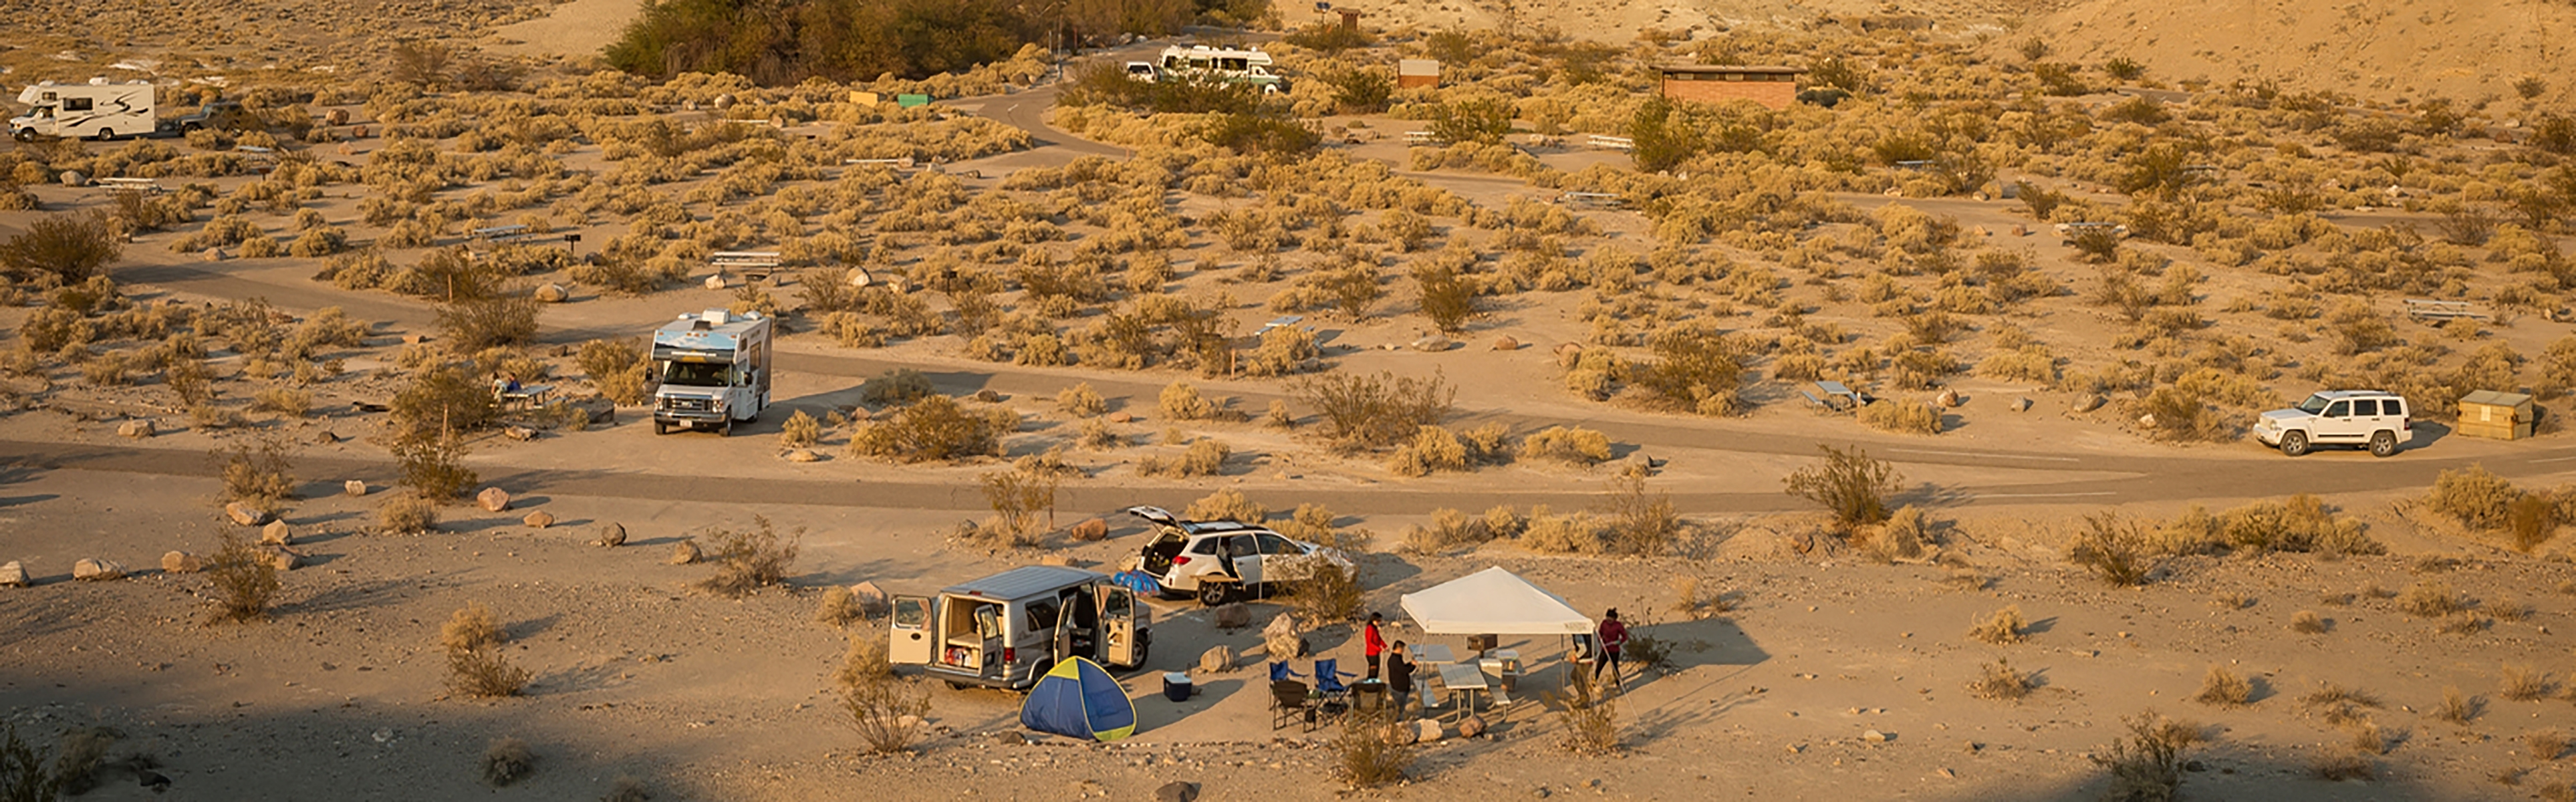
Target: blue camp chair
x,y
1280,671
1336,697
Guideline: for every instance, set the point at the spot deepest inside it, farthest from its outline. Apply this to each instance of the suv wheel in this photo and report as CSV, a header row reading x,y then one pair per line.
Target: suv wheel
x,y
1214,594
2294,444
2383,444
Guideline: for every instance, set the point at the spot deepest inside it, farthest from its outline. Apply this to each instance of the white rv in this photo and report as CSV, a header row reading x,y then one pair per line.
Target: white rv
x,y
1246,65
713,367
97,109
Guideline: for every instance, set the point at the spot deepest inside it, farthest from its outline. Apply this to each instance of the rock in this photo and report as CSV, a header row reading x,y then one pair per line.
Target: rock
x,y
1950,398
715,282
684,552
1058,560
1472,727
282,558
801,455
1177,791
872,599
138,429
1876,737
2089,402
1567,354
92,569
859,277
2021,405
2147,420
13,574
74,178
415,339
553,293
213,255
493,499
611,535
1090,531
724,101
1216,660
520,433
180,562
276,533
988,396
1121,417
245,515
1431,731
1434,344
1011,738
1233,616
325,437
1506,343
539,519
354,487
337,117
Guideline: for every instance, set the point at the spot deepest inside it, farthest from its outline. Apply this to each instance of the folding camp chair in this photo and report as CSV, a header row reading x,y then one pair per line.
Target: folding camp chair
x,y
1279,672
1289,702
1336,696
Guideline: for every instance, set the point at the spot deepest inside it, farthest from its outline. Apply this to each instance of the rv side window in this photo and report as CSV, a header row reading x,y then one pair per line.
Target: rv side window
x,y
75,104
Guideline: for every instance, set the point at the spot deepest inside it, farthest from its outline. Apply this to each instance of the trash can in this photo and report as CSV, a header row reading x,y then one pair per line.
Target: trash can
x,y
1176,686
1368,696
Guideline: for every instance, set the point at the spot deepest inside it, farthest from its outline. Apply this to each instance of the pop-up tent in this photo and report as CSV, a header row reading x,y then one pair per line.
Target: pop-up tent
x,y
1493,601
1081,700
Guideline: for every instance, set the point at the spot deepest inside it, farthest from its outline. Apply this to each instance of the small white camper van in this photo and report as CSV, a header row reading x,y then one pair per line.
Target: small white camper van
x,y
97,109
1009,629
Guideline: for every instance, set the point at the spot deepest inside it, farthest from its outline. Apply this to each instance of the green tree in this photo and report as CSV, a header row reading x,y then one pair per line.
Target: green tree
x,y
1483,119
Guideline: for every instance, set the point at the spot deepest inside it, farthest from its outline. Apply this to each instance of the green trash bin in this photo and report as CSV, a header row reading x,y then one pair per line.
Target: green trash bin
x,y
909,101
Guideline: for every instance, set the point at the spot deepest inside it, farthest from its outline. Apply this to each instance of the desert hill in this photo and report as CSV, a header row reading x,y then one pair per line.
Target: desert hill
x,y
2374,49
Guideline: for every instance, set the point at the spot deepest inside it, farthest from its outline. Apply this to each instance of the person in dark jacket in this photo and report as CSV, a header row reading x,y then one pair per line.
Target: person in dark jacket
x,y
1399,677
1613,636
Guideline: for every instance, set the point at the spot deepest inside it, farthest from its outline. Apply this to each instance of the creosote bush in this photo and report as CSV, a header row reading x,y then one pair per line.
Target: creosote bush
x,y
749,559
1848,484
1999,680
933,428
1371,751
2147,765
2113,550
245,581
406,514
257,472
1226,505
507,760
1568,445
1367,412
2224,688
2005,626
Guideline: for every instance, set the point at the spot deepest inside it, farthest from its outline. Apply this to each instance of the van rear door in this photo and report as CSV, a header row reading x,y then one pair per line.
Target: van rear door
x,y
908,640
1118,612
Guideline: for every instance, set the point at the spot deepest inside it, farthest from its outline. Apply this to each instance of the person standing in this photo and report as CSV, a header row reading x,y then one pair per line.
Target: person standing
x,y
1612,635
1374,642
1399,678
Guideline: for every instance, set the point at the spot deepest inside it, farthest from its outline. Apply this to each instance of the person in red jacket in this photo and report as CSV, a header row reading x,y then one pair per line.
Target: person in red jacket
x,y
1612,635
1375,643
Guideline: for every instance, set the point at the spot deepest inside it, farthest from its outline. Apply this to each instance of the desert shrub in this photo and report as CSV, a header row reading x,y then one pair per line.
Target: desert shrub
x,y
1999,680
618,369
1481,119
1081,400
1695,369
257,472
2224,688
1590,716
1181,401
285,401
23,775
2457,707
2432,599
838,607
1449,528
1848,484
800,430
2147,765
1565,444
1640,522
475,324
245,581
1447,300
2474,496
2005,626
749,559
406,514
1432,449
1371,750
886,716
2532,519
507,760
2112,549
472,626
1360,91
1375,411
900,386
484,673
2302,523
1225,505
2307,622
2521,684
2357,328
934,428
1327,593
1908,417
1018,497
68,248
1261,134
1576,533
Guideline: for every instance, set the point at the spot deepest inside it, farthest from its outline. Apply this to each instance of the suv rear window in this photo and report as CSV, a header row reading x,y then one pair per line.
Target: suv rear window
x,y
2392,406
2366,407
1204,546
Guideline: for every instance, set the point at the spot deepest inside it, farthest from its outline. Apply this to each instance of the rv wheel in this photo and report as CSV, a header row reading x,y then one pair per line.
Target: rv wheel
x,y
727,429
25,134
660,427
107,135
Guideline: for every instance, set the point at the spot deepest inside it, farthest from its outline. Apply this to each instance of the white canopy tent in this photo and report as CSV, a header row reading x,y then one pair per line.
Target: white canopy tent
x,y
1493,601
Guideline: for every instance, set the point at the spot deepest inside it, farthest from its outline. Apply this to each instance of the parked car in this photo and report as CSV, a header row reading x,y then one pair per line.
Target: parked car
x,y
1221,561
2371,418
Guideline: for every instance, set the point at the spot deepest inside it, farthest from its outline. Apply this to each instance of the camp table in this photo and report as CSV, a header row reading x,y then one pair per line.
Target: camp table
x,y
1432,653
1462,681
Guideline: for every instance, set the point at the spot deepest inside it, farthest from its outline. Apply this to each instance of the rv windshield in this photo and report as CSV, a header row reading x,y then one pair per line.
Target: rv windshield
x,y
695,374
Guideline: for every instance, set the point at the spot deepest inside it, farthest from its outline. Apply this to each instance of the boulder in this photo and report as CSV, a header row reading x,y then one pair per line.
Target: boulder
x,y
871,599
325,437
137,428
213,255
553,293
684,552
611,535
520,433
1434,344
715,282
74,178
724,101
93,569
1950,398
988,395
2021,405
493,499
354,487
1059,560
1121,417
1472,727
13,575
1177,791
276,533
1430,729
415,339
802,455
1876,737
539,519
180,562
859,277
1090,531
282,558
2147,421
245,514
1506,343
1568,354
1233,616
1216,660
2089,402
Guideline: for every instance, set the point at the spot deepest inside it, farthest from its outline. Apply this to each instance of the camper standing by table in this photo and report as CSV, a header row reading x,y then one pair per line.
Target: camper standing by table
x,y
1399,678
1613,635
1376,643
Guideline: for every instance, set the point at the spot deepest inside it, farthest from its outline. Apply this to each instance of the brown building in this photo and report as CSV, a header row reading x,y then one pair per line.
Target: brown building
x,y
1773,87
1417,72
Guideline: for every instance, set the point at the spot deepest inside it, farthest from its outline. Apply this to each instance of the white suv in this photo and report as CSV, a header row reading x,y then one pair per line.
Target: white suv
x,y
2360,417
1219,561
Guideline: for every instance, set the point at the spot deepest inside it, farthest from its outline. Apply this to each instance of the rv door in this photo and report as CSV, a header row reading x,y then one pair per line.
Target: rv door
x,y
908,636
1118,615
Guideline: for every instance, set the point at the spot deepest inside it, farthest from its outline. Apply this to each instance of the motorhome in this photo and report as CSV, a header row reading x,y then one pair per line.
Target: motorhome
x,y
97,109
713,370
1246,65
1009,629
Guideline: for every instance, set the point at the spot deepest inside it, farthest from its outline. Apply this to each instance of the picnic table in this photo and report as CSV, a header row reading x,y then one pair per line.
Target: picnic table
x,y
755,265
2426,309
528,396
1462,682
1837,397
1432,653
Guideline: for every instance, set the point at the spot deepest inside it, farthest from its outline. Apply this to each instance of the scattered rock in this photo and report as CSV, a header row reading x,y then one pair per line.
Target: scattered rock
x,y
93,569
859,277
724,101
1284,637
553,293
2147,420
520,433
214,255
1472,727
684,552
415,339
354,487
1090,531
1431,731
1216,660
715,282
1434,344
611,535
493,499
13,574
1233,616
2021,405
872,599
245,514
1177,791
1506,343
1121,417
276,533
801,455
1059,560
2089,402
1011,738
988,396
539,519
180,562
1876,737
138,429
325,437
1950,398
1567,353
282,558
75,178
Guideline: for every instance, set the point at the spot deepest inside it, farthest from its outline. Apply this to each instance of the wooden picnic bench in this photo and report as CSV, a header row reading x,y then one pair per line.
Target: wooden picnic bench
x,y
1599,199
1837,397
1603,142
497,235
754,265
1420,138
2428,309
143,186
528,396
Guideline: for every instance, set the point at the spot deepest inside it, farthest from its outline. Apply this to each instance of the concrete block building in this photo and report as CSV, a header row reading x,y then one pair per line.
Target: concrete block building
x,y
1773,87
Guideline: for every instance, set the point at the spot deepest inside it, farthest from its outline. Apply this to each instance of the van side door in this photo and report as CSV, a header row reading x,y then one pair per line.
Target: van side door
x,y
909,641
1118,616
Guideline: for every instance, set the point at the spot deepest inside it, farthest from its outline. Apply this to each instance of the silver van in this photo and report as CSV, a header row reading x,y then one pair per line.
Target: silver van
x,y
1009,629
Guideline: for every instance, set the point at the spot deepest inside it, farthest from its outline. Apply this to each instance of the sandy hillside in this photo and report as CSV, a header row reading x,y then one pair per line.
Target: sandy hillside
x,y
2379,49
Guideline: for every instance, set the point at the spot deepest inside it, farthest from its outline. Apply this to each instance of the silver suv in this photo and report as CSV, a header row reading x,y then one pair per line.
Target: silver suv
x,y
2360,417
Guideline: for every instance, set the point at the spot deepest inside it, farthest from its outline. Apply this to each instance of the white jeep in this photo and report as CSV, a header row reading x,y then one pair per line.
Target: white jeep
x,y
2360,417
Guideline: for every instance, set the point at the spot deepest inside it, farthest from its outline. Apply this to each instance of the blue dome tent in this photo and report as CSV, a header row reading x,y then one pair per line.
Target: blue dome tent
x,y
1081,700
